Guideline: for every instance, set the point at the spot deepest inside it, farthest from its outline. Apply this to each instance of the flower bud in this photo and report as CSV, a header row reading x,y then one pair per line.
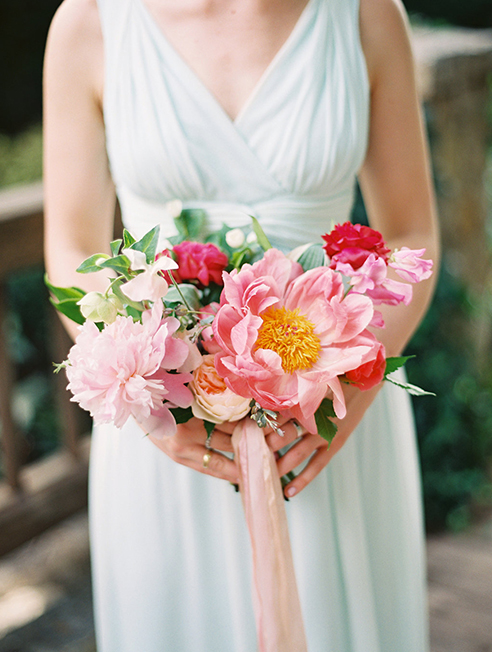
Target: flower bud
x,y
235,238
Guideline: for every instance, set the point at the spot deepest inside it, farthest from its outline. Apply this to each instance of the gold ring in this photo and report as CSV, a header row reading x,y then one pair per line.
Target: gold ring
x,y
206,460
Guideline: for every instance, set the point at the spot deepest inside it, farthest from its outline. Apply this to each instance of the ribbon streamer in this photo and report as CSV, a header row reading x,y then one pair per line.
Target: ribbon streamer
x,y
276,602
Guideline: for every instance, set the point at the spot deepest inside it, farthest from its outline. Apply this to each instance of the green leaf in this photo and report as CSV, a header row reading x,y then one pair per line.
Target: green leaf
x,y
209,427
70,309
326,428
260,235
190,223
313,257
92,264
189,292
182,415
120,264
128,239
63,293
148,244
392,364
238,258
115,247
411,389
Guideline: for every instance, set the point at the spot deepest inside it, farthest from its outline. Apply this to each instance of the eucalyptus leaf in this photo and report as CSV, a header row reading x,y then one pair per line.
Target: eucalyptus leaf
x,y
323,415
148,244
190,223
313,257
392,364
260,235
189,292
115,247
181,415
92,264
411,389
70,309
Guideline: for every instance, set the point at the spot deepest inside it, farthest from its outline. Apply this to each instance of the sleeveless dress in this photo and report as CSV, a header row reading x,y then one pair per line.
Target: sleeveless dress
x,y
170,550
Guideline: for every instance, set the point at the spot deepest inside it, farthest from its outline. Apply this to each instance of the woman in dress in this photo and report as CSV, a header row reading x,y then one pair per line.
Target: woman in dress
x,y
271,108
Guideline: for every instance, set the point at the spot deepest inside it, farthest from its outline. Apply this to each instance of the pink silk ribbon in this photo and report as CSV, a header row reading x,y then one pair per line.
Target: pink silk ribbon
x,y
279,623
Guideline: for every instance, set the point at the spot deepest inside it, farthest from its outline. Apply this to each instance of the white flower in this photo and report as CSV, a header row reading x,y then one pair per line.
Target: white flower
x,y
94,306
235,238
251,238
148,286
174,208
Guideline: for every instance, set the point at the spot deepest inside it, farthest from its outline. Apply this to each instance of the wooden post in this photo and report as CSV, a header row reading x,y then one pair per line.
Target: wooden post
x,y
10,448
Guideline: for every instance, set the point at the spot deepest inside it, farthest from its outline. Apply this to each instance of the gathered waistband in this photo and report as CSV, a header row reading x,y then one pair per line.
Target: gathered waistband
x,y
288,221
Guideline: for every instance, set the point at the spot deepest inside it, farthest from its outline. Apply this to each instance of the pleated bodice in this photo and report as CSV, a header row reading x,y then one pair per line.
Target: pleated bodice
x,y
289,158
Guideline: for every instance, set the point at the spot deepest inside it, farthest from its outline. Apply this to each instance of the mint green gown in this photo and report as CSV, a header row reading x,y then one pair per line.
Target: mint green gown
x,y
170,552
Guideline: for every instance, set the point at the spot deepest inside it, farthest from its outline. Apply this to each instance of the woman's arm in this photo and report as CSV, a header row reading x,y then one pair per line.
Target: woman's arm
x,y
396,184
79,192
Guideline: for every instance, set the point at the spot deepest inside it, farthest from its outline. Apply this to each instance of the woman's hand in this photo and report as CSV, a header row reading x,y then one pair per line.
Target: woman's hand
x,y
187,447
315,447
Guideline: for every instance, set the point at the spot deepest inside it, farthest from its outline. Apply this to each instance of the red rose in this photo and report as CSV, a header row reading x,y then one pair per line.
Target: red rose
x,y
200,262
371,373
353,243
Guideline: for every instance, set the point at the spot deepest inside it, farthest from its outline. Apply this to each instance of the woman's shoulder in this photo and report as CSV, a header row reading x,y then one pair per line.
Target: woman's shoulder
x,y
385,34
75,43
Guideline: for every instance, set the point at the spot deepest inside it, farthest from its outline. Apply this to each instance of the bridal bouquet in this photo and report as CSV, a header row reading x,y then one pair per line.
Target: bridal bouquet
x,y
232,327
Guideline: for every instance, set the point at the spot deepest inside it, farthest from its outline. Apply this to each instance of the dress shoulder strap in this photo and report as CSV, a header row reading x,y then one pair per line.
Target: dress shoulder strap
x,y
114,16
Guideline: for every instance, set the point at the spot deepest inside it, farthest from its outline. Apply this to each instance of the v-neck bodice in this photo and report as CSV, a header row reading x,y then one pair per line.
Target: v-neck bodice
x,y
291,155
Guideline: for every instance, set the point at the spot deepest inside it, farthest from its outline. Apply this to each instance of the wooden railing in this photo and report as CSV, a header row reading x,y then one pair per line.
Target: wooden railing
x,y
36,496
454,68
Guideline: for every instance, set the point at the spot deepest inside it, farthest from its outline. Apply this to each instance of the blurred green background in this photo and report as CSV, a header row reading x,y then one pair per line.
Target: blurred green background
x,y
454,428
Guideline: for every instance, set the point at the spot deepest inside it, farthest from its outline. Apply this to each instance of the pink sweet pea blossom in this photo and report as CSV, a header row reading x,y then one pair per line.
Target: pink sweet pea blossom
x,y
286,336
123,370
408,264
149,285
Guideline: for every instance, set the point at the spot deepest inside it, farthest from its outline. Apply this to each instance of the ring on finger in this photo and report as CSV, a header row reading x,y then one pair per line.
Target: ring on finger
x,y
299,429
208,441
206,459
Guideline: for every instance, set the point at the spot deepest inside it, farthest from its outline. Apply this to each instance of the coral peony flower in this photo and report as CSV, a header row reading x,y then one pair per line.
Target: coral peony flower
x,y
371,372
408,264
352,244
286,336
200,262
123,369
214,401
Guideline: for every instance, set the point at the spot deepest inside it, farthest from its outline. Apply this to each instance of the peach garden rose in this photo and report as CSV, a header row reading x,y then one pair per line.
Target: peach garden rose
x,y
213,400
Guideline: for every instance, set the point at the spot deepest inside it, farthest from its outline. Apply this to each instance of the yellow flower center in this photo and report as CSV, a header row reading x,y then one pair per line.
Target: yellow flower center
x,y
290,335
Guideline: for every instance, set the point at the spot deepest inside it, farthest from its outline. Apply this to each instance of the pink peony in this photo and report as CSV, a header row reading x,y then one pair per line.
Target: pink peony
x,y
123,369
286,336
352,244
200,262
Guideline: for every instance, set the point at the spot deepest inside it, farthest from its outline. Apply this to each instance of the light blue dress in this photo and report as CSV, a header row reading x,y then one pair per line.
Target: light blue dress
x,y
170,551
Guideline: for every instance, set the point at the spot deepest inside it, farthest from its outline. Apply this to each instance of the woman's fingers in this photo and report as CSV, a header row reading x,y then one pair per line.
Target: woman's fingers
x,y
322,455
211,462
298,454
291,433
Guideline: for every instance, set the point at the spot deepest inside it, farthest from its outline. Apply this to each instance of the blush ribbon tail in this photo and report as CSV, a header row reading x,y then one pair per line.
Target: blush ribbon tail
x,y
276,602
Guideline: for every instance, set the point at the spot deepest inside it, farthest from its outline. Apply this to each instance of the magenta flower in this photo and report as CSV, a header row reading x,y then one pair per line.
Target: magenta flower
x,y
123,370
200,262
286,336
